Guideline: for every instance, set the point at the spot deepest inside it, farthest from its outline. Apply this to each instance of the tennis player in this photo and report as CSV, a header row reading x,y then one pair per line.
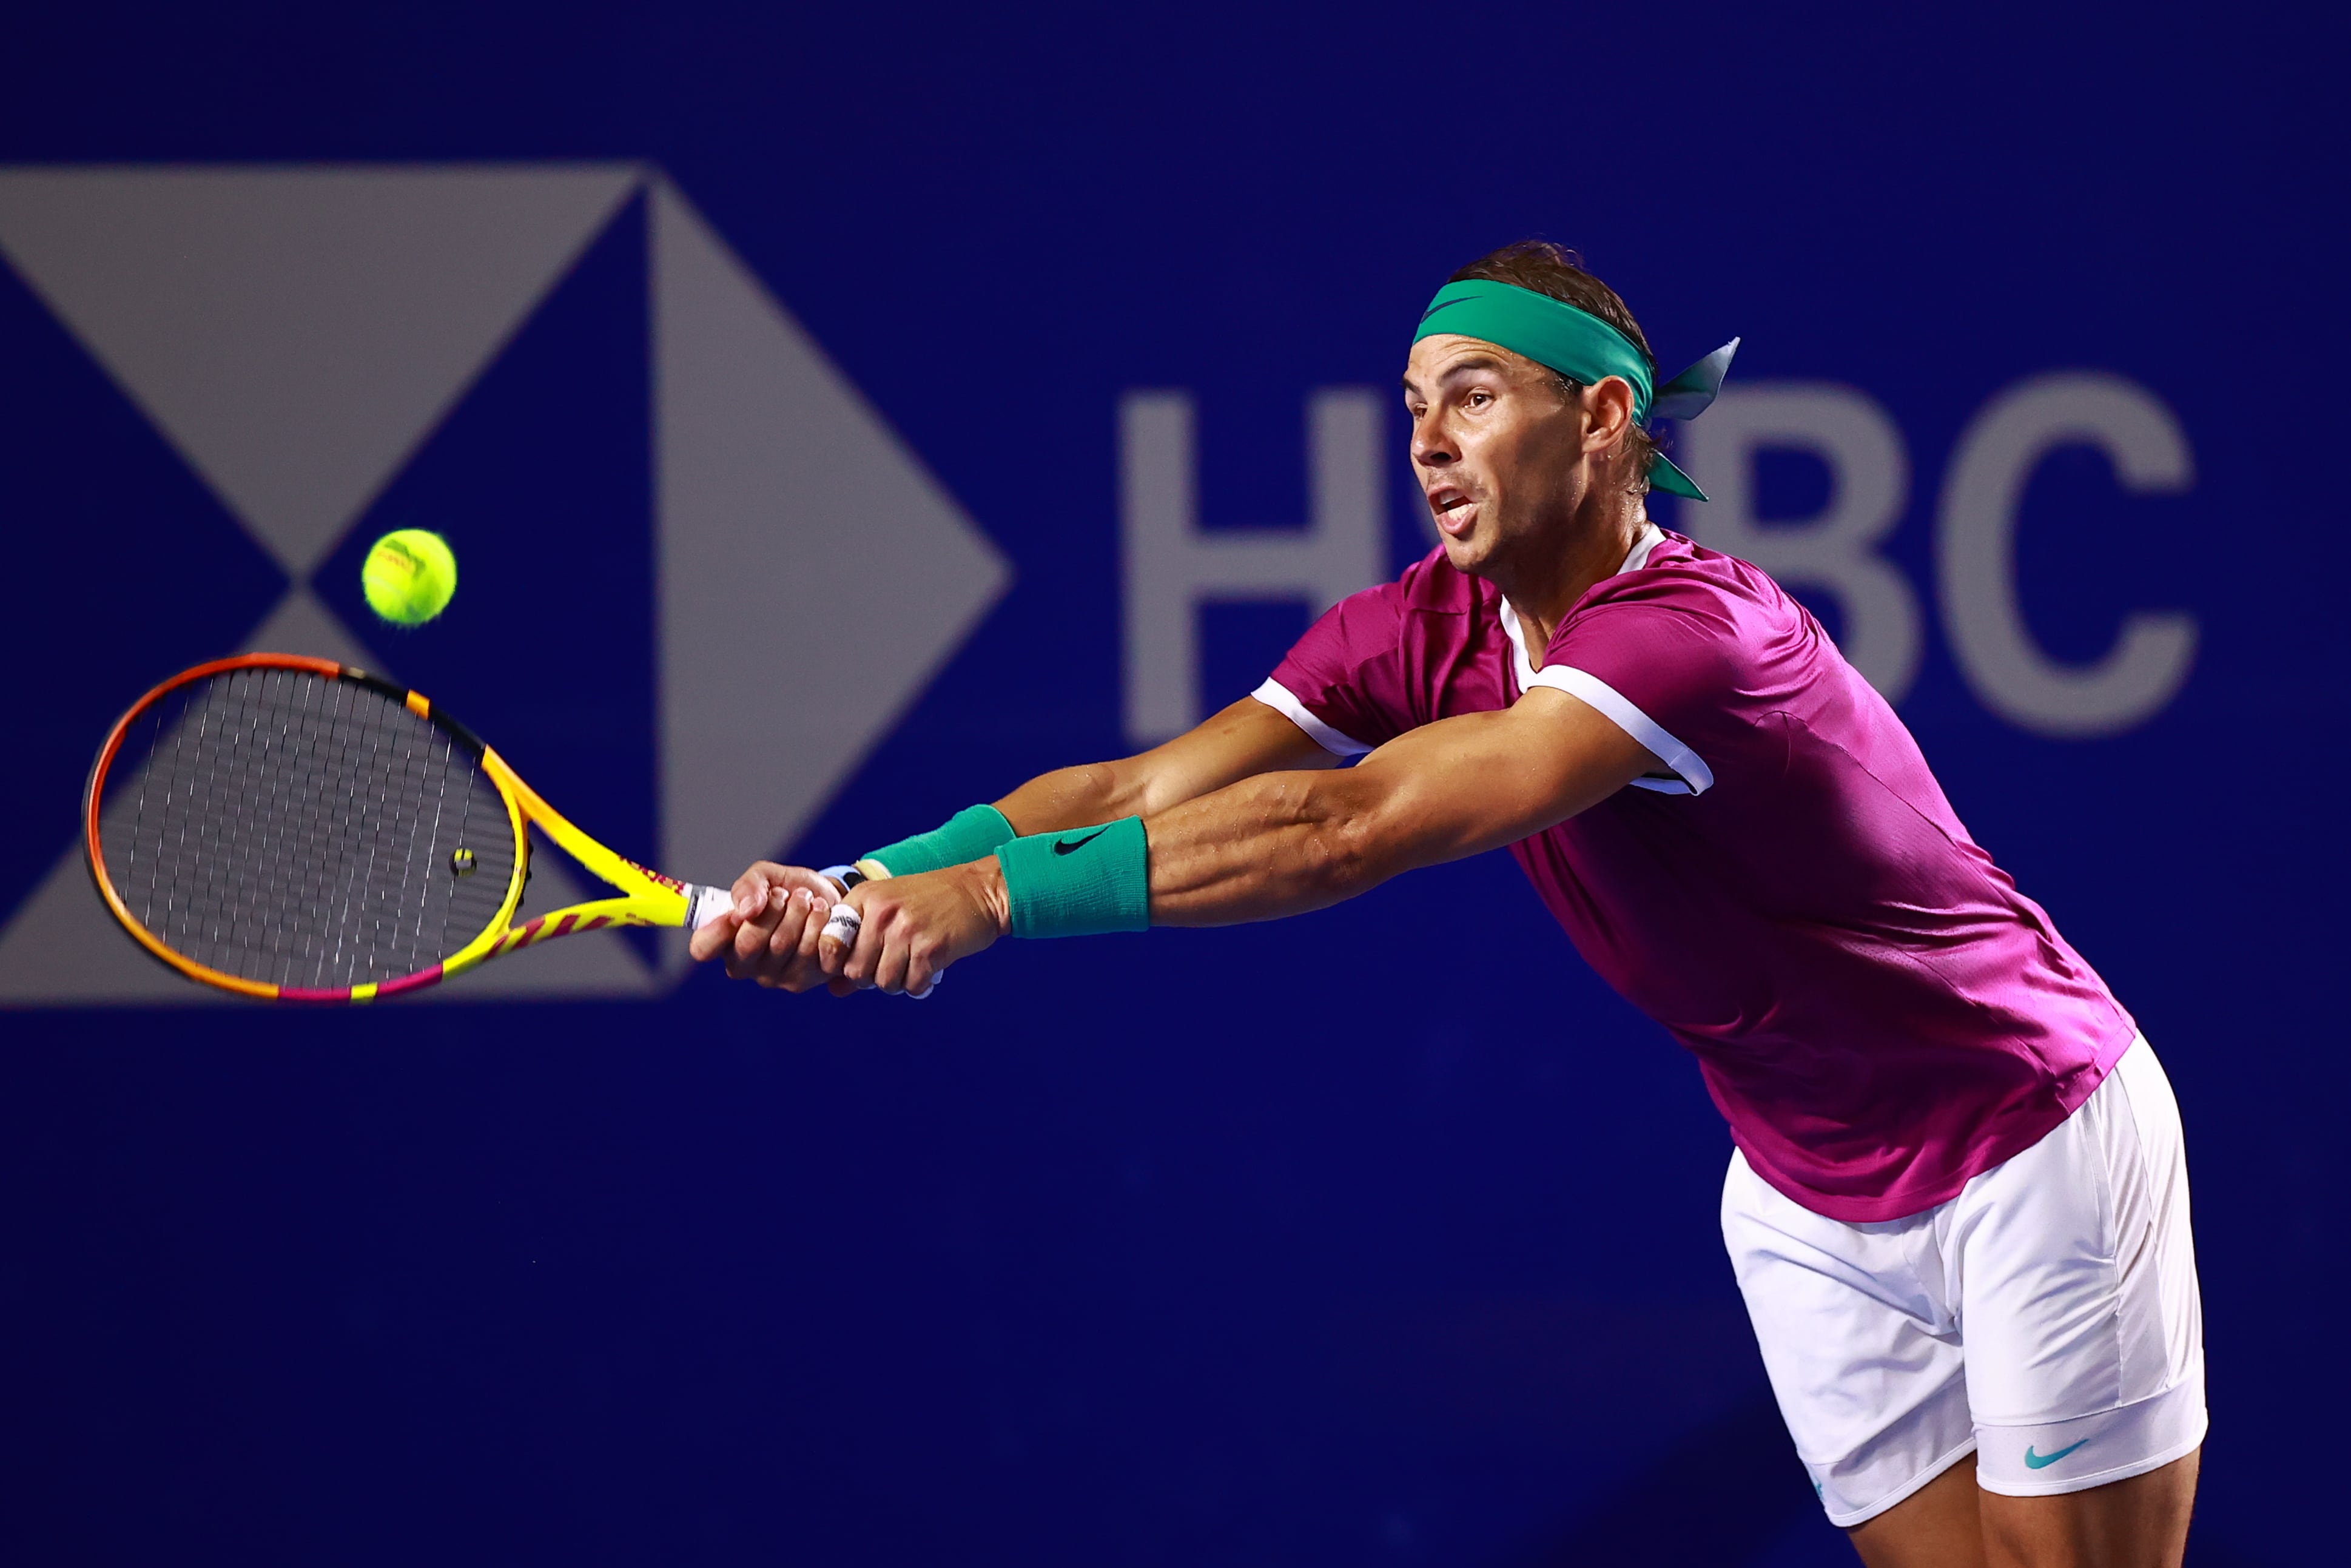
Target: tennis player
x,y
1958,1206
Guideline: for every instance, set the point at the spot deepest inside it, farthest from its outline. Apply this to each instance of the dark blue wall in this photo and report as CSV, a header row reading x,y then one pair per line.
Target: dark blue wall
x,y
1299,1244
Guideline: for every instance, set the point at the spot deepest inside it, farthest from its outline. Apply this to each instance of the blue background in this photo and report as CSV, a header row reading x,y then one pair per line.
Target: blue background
x,y
1313,1243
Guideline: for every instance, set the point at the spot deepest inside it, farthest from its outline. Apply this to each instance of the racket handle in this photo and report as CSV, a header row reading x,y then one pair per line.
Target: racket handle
x,y
841,926
704,904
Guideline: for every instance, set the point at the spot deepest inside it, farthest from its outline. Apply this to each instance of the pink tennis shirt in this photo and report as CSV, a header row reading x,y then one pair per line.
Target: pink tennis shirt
x,y
1879,1014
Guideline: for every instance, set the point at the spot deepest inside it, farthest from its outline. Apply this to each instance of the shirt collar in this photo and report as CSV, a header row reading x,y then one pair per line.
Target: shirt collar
x,y
1647,539
1650,537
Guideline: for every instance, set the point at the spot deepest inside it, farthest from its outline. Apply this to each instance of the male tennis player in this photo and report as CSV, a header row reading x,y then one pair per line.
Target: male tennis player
x,y
1958,1206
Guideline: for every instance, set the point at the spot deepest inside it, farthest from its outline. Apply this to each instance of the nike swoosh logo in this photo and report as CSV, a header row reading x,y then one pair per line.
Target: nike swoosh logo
x,y
2033,1461
1064,846
1446,305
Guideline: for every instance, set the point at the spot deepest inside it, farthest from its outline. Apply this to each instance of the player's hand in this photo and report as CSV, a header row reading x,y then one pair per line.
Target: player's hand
x,y
911,927
770,934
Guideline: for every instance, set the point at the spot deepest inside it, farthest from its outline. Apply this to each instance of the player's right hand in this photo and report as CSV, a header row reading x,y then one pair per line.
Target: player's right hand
x,y
769,936
910,928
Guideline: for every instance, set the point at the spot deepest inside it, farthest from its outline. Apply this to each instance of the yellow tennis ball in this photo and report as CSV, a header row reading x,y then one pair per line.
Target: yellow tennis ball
x,y
409,575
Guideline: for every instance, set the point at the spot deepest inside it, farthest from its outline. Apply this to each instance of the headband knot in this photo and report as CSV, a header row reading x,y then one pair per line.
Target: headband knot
x,y
1582,348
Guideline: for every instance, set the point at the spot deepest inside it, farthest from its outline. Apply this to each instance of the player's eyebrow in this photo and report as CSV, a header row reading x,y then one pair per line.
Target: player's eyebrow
x,y
1458,368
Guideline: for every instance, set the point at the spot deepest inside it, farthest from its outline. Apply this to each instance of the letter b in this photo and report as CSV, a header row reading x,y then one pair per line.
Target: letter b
x,y
1869,475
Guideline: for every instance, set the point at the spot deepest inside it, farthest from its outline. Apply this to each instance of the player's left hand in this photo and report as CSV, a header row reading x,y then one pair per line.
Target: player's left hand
x,y
911,927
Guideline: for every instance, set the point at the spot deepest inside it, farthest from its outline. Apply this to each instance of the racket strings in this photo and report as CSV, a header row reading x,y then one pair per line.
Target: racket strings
x,y
290,828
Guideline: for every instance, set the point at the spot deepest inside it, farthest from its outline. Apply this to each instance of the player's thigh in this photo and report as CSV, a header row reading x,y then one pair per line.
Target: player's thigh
x,y
1937,1526
2077,1284
1861,1345
1950,1522
2137,1522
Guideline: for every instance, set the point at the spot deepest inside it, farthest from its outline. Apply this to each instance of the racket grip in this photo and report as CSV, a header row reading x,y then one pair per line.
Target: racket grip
x,y
704,904
841,925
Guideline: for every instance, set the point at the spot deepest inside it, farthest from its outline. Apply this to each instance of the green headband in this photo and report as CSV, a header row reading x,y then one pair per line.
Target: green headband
x,y
1582,348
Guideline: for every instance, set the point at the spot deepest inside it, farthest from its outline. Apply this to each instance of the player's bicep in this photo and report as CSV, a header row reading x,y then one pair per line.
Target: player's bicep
x,y
1475,782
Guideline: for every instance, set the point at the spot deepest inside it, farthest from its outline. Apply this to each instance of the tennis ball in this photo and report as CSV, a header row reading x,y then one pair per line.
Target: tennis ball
x,y
409,575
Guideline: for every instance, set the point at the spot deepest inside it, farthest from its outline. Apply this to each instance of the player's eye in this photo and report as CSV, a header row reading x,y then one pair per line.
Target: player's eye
x,y
1479,399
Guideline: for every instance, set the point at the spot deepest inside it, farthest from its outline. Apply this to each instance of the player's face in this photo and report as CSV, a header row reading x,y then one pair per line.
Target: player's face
x,y
1499,449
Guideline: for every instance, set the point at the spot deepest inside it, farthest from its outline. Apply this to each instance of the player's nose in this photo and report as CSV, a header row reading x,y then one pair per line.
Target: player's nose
x,y
1431,448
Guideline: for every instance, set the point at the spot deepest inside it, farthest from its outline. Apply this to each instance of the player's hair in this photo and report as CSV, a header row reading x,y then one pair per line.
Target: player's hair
x,y
1540,265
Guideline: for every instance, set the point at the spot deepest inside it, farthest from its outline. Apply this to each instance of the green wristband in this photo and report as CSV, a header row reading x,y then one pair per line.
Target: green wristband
x,y
971,834
1079,882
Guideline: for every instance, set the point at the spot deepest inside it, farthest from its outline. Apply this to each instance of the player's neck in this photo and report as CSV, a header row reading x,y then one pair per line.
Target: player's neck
x,y
1545,589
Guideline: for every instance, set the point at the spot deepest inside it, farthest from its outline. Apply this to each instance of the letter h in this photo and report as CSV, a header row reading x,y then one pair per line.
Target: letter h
x,y
1171,566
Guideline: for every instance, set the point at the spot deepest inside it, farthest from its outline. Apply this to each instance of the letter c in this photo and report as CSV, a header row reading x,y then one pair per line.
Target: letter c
x,y
1975,550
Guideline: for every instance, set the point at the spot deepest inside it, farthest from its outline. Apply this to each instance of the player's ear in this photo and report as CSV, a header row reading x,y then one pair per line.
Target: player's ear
x,y
1608,405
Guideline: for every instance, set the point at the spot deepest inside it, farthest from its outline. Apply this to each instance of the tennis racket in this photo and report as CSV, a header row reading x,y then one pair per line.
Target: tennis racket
x,y
298,830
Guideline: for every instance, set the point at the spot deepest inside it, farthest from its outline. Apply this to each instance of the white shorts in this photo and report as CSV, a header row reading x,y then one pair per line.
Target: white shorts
x,y
2046,1319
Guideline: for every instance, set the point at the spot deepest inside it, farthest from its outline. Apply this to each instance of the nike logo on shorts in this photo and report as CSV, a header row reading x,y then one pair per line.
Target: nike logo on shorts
x,y
2033,1461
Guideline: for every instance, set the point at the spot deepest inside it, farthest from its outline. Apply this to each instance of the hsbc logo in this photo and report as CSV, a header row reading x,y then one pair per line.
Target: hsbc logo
x,y
298,334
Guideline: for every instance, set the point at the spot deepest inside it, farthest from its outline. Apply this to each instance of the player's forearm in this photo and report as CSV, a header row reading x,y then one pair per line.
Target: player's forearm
x,y
1076,797
1281,843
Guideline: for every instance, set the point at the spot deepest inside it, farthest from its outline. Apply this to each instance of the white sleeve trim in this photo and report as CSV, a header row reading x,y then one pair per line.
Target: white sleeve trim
x,y
1276,696
1695,778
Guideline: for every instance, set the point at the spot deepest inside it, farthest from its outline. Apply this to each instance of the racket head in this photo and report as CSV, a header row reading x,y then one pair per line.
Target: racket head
x,y
292,829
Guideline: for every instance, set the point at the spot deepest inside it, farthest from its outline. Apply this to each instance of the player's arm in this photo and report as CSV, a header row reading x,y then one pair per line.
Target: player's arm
x,y
1245,740
1284,842
779,910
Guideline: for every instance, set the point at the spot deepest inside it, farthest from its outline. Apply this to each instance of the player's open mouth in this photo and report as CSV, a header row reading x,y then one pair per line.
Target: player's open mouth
x,y
1456,513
